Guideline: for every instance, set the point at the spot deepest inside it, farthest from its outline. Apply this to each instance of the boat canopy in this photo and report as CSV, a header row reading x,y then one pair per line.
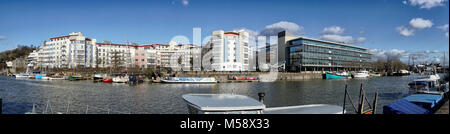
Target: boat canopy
x,y
222,102
428,101
404,107
431,78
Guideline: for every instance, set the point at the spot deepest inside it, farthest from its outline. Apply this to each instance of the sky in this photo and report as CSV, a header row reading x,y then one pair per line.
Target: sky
x,y
386,27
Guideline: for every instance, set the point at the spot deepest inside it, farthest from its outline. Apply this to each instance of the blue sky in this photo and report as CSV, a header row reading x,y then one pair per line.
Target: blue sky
x,y
375,22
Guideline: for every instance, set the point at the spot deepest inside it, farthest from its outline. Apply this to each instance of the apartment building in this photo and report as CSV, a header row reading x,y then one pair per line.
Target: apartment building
x,y
70,51
228,51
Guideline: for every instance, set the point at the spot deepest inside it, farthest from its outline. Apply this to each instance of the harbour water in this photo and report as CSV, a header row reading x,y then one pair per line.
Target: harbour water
x,y
80,97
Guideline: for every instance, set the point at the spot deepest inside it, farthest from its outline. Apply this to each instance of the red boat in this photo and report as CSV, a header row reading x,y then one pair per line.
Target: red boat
x,y
107,80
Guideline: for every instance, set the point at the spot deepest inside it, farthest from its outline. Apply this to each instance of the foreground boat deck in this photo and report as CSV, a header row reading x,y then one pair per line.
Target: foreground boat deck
x,y
443,109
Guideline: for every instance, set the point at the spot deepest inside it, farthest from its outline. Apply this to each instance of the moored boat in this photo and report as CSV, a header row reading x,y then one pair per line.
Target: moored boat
x,y
39,76
21,76
329,76
75,78
429,82
361,74
422,103
107,79
375,75
99,77
121,79
58,78
190,80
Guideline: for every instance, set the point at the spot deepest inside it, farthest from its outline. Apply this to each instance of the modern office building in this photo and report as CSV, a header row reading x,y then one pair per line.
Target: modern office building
x,y
227,51
307,54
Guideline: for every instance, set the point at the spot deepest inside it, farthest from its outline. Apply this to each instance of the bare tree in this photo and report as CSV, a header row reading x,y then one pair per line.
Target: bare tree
x,y
116,59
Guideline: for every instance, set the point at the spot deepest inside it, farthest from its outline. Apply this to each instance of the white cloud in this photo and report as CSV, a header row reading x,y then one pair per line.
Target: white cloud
x,y
415,25
274,29
384,54
334,34
334,30
405,2
182,2
406,31
343,39
428,4
444,27
253,35
2,37
419,23
185,2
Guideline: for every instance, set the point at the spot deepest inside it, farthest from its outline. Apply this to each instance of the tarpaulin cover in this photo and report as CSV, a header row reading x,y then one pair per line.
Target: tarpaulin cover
x,y
404,107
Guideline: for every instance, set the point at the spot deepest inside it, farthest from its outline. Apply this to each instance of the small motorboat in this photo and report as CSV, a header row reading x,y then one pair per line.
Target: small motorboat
x,y
58,78
361,74
39,76
45,78
75,78
432,81
106,79
121,79
99,77
21,76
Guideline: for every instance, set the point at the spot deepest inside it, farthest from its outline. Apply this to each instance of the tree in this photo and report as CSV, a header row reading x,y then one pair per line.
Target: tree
x,y
116,59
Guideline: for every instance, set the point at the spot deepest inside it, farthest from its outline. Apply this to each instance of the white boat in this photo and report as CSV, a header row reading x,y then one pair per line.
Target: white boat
x,y
24,75
342,73
45,78
361,74
121,79
239,104
429,82
21,76
62,78
190,80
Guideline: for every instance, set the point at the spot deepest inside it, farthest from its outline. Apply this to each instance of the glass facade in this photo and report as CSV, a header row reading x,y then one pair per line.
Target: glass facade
x,y
314,55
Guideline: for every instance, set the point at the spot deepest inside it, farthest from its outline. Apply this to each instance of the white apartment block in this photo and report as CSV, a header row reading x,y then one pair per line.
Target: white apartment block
x,y
104,53
70,51
229,51
76,50
146,56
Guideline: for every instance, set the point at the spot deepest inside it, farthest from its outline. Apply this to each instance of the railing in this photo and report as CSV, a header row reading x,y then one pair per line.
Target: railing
x,y
362,101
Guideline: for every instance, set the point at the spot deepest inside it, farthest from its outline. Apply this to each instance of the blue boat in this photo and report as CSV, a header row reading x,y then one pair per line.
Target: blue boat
x,y
39,76
333,76
404,107
190,80
416,104
427,101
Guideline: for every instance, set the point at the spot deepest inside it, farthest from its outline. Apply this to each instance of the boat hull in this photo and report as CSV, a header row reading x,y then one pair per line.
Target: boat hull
x,y
332,76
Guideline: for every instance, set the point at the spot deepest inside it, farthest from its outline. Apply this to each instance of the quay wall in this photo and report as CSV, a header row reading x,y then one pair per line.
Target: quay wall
x,y
224,76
